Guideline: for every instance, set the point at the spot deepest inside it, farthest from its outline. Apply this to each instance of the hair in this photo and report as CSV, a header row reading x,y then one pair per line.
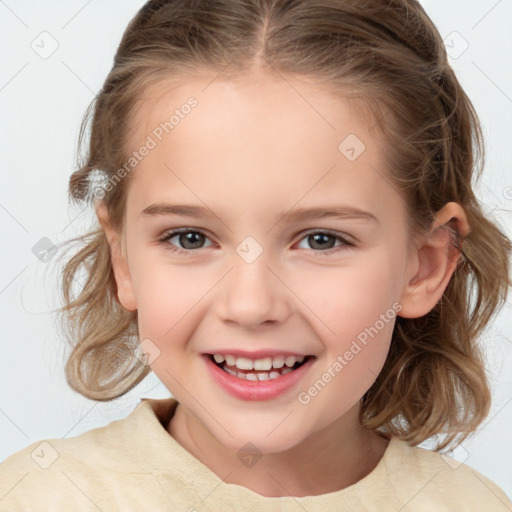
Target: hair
x,y
389,57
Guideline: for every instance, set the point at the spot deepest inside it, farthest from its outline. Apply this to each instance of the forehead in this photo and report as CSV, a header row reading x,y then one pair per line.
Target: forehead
x,y
261,136
247,105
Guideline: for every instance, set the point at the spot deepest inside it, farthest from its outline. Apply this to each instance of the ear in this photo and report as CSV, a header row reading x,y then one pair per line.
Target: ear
x,y
125,291
434,261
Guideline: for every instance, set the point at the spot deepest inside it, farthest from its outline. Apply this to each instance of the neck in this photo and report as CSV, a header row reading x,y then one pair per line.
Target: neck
x,y
329,460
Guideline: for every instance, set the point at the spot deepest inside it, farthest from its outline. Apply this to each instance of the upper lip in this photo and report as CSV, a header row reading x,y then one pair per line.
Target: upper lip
x,y
256,354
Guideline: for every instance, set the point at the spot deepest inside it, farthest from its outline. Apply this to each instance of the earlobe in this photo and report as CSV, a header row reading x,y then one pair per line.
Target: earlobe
x,y
125,290
435,261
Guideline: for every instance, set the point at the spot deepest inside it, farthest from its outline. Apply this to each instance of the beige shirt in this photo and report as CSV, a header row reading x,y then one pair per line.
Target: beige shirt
x,y
134,464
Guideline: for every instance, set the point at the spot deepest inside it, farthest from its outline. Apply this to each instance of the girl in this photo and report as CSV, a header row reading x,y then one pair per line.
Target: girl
x,y
288,237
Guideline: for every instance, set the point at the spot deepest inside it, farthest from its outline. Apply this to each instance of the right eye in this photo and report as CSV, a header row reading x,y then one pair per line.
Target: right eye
x,y
189,239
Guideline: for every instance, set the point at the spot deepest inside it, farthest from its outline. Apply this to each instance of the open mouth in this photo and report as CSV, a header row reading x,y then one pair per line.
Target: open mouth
x,y
267,368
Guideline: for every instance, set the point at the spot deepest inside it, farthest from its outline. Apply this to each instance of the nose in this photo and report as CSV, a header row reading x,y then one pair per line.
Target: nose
x,y
253,294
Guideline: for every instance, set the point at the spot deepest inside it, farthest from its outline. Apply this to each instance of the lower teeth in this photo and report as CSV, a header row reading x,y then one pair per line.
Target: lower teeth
x,y
257,376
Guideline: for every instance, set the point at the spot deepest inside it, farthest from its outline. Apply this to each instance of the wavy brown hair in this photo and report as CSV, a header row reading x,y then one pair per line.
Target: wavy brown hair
x,y
388,57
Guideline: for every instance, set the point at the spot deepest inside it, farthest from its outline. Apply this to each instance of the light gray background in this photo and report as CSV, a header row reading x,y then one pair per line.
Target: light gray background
x,y
42,100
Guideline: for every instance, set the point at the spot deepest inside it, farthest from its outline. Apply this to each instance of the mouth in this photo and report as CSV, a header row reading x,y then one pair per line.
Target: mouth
x,y
261,369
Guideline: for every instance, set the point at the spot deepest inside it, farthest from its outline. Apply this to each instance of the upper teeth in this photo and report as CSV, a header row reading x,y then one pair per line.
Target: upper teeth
x,y
266,363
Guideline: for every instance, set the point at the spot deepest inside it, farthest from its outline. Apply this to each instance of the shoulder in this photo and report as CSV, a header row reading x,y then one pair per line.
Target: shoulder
x,y
92,448
44,471
95,466
438,482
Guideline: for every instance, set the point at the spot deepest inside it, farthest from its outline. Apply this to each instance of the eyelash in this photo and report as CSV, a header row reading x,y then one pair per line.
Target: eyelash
x,y
171,234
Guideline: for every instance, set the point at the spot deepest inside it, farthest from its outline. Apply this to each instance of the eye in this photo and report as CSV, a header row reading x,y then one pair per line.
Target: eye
x,y
188,238
323,240
320,241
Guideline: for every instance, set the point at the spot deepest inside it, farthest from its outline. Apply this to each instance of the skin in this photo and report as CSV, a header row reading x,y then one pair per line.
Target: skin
x,y
250,151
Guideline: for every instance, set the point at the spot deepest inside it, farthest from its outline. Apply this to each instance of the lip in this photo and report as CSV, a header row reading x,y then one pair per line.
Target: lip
x,y
257,354
256,390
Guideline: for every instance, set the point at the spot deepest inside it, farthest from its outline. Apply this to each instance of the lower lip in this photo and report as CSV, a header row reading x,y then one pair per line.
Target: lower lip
x,y
256,390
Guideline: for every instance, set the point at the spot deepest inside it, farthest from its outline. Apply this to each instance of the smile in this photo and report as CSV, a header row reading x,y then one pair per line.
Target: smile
x,y
263,374
262,369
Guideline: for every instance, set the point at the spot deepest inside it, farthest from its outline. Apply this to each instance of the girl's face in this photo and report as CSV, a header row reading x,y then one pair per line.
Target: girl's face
x,y
253,276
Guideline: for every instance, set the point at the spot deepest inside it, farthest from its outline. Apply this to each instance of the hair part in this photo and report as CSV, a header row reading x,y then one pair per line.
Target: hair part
x,y
386,58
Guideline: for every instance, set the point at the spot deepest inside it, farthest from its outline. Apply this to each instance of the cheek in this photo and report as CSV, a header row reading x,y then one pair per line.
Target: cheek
x,y
354,311
162,293
171,300
349,298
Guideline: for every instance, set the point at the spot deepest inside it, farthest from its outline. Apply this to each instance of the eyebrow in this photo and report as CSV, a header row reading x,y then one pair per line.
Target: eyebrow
x,y
298,214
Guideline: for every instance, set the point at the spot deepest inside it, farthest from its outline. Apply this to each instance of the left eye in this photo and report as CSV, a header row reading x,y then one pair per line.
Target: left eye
x,y
192,240
320,239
